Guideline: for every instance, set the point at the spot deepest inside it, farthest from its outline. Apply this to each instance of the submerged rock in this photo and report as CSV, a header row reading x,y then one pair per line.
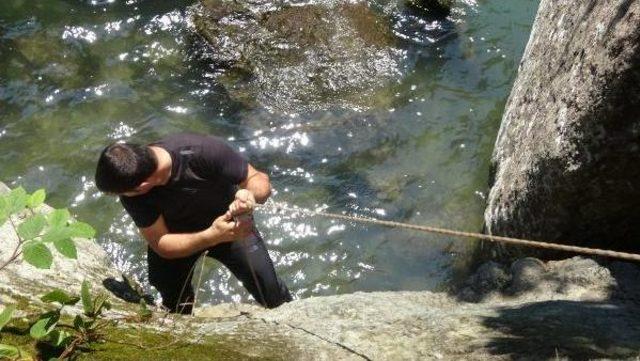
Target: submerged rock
x,y
288,56
566,162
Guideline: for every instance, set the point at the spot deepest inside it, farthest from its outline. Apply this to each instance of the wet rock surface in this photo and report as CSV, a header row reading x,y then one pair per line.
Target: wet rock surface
x,y
289,56
567,158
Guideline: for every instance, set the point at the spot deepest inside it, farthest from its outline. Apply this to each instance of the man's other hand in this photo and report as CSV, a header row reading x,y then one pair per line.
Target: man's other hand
x,y
243,204
226,229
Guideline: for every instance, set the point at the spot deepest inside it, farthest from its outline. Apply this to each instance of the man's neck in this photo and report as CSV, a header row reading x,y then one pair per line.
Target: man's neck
x,y
163,172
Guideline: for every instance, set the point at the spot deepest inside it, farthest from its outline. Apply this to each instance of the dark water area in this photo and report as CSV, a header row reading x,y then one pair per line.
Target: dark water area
x,y
77,75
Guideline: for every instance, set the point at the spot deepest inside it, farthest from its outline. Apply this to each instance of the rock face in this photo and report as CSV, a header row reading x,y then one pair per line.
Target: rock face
x,y
566,162
294,57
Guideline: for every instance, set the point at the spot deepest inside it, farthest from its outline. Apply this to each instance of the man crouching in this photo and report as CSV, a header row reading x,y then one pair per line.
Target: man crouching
x,y
187,194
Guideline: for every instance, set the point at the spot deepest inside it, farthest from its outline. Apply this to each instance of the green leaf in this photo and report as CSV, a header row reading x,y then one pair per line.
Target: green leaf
x,y
81,230
60,338
37,254
89,324
58,217
66,247
8,352
85,295
45,324
5,315
99,304
57,233
36,199
78,323
61,297
17,200
32,227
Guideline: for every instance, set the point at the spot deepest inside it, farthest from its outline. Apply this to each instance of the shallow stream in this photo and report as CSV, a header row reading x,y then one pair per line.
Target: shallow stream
x,y
76,75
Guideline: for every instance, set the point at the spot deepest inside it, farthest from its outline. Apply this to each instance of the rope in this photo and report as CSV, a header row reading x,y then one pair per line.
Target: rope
x,y
187,282
455,233
195,296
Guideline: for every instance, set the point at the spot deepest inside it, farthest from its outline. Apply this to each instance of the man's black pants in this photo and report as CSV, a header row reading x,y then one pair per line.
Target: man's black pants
x,y
248,260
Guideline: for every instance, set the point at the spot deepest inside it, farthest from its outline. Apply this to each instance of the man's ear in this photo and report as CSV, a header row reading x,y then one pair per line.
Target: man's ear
x,y
144,187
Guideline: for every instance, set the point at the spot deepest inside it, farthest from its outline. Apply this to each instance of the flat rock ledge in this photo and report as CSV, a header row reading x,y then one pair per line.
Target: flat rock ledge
x,y
570,309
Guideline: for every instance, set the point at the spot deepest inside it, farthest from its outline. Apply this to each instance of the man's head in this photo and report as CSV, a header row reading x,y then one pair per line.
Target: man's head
x,y
125,168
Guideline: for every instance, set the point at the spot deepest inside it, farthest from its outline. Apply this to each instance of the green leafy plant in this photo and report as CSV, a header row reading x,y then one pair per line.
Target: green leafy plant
x,y
85,327
8,351
40,231
5,315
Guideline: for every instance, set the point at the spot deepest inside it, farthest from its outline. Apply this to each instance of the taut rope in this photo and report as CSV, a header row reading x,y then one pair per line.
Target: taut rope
x,y
451,232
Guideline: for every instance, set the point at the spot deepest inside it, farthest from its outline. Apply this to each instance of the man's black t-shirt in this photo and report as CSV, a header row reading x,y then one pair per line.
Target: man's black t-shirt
x,y
204,174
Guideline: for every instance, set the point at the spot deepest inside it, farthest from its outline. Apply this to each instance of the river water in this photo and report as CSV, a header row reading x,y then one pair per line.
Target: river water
x,y
76,75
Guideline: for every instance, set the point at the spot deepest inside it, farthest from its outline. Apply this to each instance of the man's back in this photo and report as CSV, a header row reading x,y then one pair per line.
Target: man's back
x,y
204,175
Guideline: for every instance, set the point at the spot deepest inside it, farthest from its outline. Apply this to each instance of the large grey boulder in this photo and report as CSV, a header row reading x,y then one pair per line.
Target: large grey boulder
x,y
566,163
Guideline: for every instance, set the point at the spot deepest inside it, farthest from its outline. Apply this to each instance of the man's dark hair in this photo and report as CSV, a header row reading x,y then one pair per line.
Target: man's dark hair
x,y
123,166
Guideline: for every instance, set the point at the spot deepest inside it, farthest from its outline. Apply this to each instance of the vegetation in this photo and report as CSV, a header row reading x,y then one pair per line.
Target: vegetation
x,y
47,332
39,232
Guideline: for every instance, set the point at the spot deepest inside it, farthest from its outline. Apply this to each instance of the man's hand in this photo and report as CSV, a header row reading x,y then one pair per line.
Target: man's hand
x,y
243,204
179,245
225,229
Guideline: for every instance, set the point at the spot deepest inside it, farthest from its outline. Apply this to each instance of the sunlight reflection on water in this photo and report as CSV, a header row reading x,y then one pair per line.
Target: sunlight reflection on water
x,y
75,76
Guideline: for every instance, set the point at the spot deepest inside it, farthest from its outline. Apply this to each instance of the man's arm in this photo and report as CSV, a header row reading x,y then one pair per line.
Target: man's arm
x,y
255,188
178,245
257,183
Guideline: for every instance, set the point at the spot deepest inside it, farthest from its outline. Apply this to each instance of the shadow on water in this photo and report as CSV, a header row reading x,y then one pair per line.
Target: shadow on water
x,y
566,329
